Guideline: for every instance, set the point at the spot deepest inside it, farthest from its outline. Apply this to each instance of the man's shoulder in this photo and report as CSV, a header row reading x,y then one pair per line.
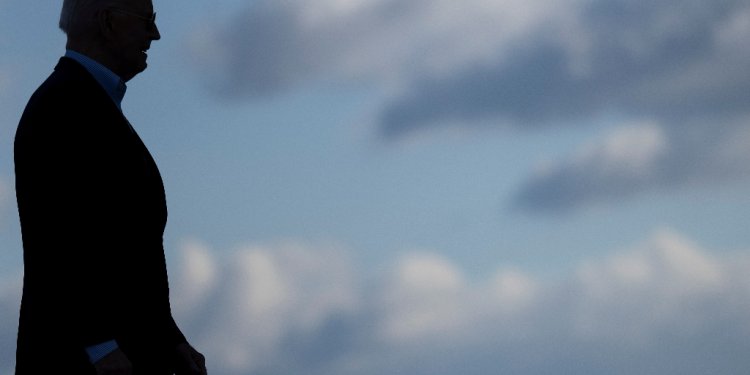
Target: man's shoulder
x,y
66,83
66,102
68,90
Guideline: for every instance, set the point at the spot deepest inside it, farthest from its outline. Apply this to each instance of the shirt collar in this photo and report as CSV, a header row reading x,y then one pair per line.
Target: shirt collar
x,y
111,82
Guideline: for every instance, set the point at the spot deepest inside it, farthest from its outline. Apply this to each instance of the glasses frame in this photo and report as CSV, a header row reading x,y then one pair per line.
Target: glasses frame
x,y
151,20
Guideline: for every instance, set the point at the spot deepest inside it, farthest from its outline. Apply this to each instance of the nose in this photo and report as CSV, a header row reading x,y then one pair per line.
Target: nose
x,y
155,34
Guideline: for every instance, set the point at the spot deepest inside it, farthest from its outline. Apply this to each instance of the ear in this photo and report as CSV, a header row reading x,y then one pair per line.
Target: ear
x,y
105,23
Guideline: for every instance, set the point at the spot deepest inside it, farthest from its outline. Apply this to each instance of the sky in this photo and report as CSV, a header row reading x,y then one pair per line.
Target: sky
x,y
436,187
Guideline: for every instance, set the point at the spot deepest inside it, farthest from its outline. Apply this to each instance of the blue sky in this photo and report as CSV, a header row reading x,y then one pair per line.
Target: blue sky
x,y
355,186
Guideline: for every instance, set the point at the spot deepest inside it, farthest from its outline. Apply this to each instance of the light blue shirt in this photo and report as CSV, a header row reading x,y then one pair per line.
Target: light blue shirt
x,y
115,87
111,82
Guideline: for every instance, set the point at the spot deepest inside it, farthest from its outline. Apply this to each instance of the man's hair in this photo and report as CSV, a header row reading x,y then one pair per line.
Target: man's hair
x,y
75,14
71,9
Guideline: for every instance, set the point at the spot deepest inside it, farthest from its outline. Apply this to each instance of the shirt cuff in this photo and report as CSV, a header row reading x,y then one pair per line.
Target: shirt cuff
x,y
99,351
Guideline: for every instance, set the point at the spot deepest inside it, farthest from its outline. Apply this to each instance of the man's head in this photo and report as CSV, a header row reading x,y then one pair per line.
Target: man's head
x,y
116,33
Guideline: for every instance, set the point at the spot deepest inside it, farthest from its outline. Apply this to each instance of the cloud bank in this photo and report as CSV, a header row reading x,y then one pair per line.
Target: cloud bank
x,y
673,60
662,306
527,61
678,65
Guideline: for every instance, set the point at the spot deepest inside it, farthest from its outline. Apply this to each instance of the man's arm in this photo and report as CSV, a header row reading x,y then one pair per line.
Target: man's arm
x,y
189,361
99,351
114,363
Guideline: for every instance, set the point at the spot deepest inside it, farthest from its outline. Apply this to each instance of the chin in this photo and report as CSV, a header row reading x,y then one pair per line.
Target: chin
x,y
135,71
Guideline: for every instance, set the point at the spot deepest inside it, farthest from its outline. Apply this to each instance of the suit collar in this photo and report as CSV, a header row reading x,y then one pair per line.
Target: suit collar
x,y
110,82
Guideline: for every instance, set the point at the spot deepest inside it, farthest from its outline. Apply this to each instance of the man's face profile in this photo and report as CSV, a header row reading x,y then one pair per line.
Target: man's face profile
x,y
133,28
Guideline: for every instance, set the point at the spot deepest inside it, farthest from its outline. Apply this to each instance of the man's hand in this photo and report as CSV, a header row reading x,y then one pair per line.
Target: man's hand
x,y
114,363
188,361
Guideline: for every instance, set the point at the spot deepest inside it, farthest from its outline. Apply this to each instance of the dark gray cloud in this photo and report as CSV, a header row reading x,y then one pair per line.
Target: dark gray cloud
x,y
532,89
261,52
637,159
274,46
681,64
566,59
670,59
677,63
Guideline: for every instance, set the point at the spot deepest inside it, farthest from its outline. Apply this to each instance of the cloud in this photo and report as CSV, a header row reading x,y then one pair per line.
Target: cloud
x,y
680,65
275,46
637,158
263,300
527,62
662,306
672,60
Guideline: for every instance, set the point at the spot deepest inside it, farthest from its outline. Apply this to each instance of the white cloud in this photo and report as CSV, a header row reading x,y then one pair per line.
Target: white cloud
x,y
198,276
260,297
422,297
663,306
661,284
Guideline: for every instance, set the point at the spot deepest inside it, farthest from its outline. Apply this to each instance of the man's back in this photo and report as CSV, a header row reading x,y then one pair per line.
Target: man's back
x,y
88,193
92,209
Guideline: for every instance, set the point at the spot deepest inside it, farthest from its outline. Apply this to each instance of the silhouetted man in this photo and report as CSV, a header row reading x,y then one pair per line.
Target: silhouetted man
x,y
92,210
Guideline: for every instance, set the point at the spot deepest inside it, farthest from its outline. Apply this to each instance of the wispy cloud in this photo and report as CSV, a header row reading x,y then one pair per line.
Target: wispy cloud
x,y
663,306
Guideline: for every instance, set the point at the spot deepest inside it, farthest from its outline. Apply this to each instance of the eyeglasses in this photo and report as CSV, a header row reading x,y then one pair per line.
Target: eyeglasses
x,y
151,20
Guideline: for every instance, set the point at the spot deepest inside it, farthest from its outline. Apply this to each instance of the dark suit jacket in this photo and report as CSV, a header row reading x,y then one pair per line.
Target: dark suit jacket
x,y
92,211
